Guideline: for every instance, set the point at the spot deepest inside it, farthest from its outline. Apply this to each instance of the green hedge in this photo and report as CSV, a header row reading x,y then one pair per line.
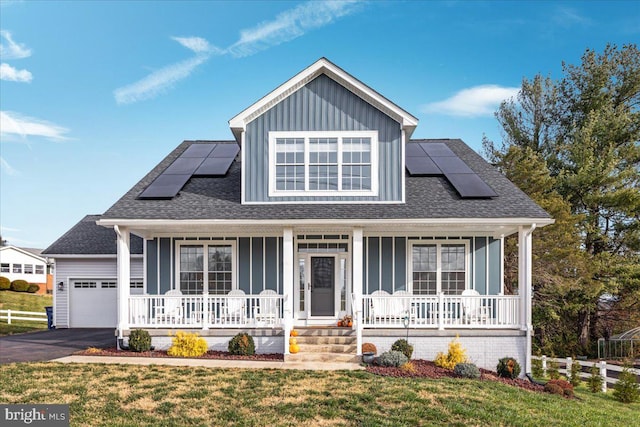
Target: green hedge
x,y
20,286
5,284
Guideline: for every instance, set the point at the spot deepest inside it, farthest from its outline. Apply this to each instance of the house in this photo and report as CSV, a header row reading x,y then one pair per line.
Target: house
x,y
323,206
85,291
24,264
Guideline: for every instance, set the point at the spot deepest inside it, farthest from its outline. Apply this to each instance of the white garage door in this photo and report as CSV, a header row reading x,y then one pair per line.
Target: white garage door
x,y
93,303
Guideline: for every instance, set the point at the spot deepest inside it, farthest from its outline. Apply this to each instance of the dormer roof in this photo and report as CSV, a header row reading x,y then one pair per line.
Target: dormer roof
x,y
322,66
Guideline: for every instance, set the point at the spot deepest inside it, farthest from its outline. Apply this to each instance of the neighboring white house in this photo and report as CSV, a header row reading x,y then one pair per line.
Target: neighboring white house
x,y
85,275
22,264
321,206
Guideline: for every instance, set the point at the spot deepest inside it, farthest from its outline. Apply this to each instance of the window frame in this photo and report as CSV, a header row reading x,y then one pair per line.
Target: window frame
x,y
205,262
27,268
439,271
340,136
16,268
39,269
5,267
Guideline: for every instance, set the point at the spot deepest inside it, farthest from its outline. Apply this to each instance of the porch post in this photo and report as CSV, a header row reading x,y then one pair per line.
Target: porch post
x,y
357,284
288,288
524,286
124,277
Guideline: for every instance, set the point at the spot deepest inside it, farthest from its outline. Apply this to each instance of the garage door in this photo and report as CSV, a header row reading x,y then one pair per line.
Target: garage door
x,y
93,303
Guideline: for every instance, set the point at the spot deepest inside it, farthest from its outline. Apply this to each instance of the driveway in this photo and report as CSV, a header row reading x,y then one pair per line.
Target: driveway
x,y
52,344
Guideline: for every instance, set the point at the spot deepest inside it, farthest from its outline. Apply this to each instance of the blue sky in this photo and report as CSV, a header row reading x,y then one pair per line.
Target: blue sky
x,y
94,94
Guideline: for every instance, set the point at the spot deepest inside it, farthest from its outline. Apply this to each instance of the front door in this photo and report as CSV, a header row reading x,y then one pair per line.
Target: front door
x,y
323,283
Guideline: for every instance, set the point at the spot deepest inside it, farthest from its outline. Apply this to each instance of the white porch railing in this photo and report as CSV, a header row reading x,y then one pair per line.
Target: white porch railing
x,y
441,311
205,311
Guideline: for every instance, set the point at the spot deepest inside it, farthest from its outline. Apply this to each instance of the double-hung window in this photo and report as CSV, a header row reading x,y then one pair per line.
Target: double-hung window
x,y
4,268
323,163
206,268
439,267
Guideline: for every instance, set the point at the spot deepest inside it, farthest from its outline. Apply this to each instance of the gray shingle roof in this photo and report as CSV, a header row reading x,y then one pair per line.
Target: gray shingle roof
x,y
87,238
426,197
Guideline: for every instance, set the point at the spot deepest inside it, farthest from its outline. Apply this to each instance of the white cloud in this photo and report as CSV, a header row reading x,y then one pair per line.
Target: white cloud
x,y
567,17
158,81
12,123
289,25
8,73
10,49
472,102
196,44
9,170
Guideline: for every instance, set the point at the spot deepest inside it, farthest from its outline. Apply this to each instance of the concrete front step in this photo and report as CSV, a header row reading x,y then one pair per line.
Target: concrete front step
x,y
322,357
304,339
325,332
327,348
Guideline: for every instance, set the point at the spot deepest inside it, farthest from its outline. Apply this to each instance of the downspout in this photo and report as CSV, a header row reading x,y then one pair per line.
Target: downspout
x,y
529,297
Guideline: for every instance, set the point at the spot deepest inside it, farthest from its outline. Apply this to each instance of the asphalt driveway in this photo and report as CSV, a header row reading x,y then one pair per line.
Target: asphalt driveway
x,y
52,344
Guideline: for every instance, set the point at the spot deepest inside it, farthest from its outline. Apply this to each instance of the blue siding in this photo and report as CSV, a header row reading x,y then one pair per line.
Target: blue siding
x,y
165,265
281,267
373,269
151,253
480,272
322,104
271,263
494,266
244,264
401,264
257,284
387,264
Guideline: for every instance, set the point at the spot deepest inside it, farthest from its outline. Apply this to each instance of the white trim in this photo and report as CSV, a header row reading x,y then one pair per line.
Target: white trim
x,y
322,66
403,176
486,266
340,135
438,243
68,256
205,261
27,253
243,152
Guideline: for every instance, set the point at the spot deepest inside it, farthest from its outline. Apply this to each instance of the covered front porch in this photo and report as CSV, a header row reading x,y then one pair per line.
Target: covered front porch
x,y
431,275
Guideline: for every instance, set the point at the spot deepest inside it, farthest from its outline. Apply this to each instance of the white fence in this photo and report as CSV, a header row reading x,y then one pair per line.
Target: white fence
x,y
608,372
209,311
441,311
11,315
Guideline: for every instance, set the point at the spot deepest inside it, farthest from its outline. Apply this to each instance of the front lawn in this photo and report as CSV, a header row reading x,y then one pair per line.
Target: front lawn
x,y
129,395
23,301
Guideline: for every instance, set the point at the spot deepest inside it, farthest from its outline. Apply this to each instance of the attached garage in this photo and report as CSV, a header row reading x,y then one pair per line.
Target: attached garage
x,y
93,302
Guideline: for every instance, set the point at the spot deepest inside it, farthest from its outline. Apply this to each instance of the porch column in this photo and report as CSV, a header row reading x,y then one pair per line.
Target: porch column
x,y
524,286
357,285
288,287
124,277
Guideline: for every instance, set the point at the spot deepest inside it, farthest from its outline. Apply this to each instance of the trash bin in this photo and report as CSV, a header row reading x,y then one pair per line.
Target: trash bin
x,y
49,310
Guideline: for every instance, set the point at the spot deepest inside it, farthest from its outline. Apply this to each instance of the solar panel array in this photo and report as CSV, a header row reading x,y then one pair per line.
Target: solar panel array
x,y
437,159
210,159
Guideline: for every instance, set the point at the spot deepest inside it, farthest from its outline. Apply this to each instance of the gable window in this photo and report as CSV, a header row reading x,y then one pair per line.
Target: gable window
x,y
439,267
206,268
322,163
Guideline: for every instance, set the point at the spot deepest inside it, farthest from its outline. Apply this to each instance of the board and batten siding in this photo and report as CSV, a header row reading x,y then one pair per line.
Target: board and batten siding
x,y
323,105
67,269
386,261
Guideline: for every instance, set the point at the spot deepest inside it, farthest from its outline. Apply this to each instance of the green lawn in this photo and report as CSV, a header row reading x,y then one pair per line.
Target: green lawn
x,y
125,395
22,301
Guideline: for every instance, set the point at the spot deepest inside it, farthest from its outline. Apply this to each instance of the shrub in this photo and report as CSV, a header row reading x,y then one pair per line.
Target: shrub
x,y
409,367
242,344
553,389
595,380
467,370
508,367
552,369
5,284
187,345
392,358
575,372
626,389
403,347
19,285
33,288
139,340
369,348
536,368
456,354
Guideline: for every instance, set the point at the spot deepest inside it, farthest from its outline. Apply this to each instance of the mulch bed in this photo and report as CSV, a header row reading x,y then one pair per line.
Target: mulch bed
x,y
113,351
427,369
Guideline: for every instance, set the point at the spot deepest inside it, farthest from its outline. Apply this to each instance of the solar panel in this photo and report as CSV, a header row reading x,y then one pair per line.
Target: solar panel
x,y
198,150
183,166
165,186
414,150
214,166
225,150
470,185
437,149
451,165
422,166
